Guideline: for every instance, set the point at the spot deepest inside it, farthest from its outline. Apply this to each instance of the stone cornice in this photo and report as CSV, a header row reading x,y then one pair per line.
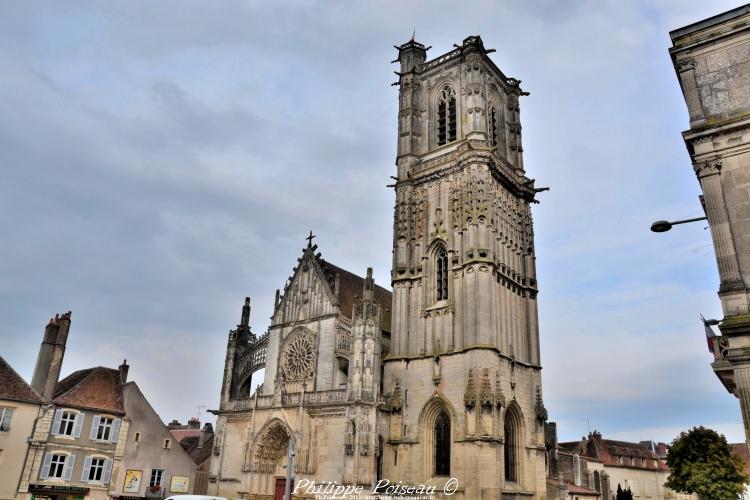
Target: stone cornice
x,y
431,356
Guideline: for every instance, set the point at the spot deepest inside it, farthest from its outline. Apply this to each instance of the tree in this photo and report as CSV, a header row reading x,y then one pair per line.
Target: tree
x,y
625,494
701,462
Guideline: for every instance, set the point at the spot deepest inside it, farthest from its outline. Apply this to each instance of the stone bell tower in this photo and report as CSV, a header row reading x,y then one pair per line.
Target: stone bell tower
x,y
462,380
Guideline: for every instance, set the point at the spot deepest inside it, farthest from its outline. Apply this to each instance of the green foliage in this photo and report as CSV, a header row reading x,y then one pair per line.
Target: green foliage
x,y
625,494
701,462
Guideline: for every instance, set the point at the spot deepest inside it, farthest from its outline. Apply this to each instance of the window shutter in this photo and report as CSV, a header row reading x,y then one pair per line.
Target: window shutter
x,y
115,430
94,426
70,461
56,421
44,473
107,471
86,470
78,425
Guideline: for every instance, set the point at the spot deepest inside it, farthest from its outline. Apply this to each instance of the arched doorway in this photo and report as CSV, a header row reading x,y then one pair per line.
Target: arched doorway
x,y
269,458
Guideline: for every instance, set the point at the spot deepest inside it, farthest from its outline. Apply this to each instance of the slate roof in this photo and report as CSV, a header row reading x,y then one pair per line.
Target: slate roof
x,y
609,451
13,387
96,388
350,289
199,455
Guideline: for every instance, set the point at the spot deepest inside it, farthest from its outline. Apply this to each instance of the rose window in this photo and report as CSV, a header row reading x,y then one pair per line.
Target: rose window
x,y
299,358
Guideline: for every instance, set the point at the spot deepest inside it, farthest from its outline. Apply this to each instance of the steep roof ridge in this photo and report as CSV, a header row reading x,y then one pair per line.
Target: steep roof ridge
x,y
34,397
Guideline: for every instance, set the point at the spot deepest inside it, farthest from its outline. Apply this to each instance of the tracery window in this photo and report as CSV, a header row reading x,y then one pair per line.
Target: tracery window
x,y
446,116
441,274
442,445
298,362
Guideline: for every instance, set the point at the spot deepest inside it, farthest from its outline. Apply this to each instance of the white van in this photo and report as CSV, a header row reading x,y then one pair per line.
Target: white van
x,y
195,497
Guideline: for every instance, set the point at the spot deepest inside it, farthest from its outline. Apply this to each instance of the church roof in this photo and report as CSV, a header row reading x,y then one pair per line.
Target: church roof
x,y
13,387
350,290
97,388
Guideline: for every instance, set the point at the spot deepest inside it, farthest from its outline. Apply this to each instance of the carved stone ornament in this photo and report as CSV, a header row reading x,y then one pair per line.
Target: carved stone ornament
x,y
499,396
298,362
394,401
541,411
485,393
470,394
708,167
685,64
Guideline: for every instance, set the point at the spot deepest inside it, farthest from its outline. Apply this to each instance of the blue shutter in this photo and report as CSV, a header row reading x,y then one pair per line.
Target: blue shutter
x,y
107,471
70,461
94,427
78,425
56,422
86,470
115,430
44,473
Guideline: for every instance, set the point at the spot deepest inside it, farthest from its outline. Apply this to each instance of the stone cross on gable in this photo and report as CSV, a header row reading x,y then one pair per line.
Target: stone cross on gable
x,y
309,239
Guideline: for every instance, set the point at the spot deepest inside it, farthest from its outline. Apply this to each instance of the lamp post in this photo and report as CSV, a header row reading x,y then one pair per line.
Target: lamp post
x,y
662,226
289,460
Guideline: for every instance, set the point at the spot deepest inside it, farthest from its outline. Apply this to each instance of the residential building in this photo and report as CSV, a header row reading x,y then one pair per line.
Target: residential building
x,y
641,466
153,463
200,448
712,61
440,379
19,407
94,435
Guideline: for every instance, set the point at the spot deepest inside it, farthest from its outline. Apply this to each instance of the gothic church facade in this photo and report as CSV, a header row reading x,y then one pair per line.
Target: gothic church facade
x,y
440,379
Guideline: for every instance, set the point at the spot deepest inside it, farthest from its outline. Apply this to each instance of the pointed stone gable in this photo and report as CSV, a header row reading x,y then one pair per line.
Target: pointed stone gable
x,y
318,287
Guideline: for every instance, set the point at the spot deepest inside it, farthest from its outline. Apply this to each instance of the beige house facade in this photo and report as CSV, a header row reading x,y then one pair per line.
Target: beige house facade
x,y
153,463
438,384
19,407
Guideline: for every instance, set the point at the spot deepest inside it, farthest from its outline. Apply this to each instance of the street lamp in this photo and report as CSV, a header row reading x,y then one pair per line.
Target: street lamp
x,y
662,226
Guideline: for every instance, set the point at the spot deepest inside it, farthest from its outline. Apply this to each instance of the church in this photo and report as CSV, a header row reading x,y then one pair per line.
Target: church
x,y
437,382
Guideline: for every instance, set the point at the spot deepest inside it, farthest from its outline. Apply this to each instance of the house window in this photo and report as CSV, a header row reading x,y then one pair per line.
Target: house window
x,y
442,274
137,437
67,423
446,119
167,443
156,477
57,466
6,414
442,445
104,430
97,469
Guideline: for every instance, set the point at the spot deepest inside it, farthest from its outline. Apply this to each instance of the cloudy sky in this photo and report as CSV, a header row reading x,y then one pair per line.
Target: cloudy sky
x,y
159,161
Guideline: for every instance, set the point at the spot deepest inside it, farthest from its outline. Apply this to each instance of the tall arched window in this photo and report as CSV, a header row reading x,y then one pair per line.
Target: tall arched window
x,y
441,275
446,119
443,445
513,442
577,470
597,481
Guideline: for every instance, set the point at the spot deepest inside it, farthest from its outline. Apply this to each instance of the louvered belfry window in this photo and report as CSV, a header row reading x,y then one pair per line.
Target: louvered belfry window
x,y
442,274
493,126
442,445
446,120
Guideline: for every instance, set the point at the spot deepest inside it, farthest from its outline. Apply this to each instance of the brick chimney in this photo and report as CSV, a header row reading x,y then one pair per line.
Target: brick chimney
x,y
51,354
124,368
